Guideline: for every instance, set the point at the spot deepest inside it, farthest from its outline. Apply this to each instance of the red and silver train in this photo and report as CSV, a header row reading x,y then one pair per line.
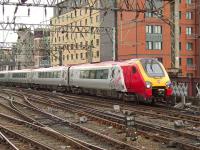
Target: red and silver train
x,y
136,78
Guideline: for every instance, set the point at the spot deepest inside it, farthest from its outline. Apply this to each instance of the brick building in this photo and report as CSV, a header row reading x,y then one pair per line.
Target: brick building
x,y
138,35
145,35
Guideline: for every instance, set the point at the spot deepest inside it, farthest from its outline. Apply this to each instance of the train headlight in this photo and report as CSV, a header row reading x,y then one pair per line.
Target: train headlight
x,y
168,84
148,84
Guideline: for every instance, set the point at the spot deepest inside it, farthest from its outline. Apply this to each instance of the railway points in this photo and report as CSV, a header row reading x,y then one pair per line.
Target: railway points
x,y
99,75
98,117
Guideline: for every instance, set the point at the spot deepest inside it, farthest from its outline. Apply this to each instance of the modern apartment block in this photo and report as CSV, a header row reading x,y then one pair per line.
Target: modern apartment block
x,y
145,35
74,46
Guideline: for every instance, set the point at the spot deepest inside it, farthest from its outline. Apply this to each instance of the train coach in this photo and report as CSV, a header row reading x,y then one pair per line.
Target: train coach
x,y
54,78
136,78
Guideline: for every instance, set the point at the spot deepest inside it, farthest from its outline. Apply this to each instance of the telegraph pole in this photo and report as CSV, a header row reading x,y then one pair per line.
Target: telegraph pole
x,y
174,27
116,31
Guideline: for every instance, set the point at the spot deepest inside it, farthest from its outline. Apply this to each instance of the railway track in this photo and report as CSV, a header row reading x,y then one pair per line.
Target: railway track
x,y
182,139
39,137
164,134
161,113
76,132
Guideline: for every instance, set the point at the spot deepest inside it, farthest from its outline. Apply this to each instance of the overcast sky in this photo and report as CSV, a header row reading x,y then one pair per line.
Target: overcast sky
x,y
37,15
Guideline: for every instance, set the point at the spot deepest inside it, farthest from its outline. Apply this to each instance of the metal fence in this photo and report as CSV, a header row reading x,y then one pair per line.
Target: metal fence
x,y
185,86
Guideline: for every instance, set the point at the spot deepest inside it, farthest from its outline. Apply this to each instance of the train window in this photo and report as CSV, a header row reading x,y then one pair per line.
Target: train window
x,y
54,74
84,74
2,75
152,68
99,74
87,74
105,74
48,75
134,70
92,74
58,74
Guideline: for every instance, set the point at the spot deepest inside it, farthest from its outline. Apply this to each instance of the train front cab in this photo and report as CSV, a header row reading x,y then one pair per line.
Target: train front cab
x,y
147,79
156,79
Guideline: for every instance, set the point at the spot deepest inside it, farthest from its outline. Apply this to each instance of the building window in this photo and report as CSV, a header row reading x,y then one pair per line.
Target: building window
x,y
81,44
85,21
180,14
148,29
72,56
86,55
67,57
149,45
72,46
179,30
157,45
180,46
92,43
97,42
157,29
76,45
75,13
97,53
66,35
148,14
189,46
81,55
153,29
76,56
188,30
189,61
189,15
188,1
180,61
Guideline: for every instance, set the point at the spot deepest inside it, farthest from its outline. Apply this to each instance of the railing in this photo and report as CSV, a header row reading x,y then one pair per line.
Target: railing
x,y
186,86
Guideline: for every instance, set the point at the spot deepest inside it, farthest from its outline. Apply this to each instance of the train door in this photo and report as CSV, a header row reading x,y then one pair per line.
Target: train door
x,y
127,77
136,85
65,76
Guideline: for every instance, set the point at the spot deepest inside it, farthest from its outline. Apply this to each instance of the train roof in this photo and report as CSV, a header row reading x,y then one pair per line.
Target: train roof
x,y
107,63
19,71
51,68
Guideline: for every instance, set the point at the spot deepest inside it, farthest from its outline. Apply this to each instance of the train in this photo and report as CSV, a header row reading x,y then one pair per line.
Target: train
x,y
135,79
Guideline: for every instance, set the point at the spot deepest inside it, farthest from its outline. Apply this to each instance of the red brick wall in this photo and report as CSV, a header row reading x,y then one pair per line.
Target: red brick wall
x,y
131,47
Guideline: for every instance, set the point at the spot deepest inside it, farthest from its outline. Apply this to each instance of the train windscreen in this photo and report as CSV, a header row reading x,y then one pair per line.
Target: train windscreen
x,y
152,68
